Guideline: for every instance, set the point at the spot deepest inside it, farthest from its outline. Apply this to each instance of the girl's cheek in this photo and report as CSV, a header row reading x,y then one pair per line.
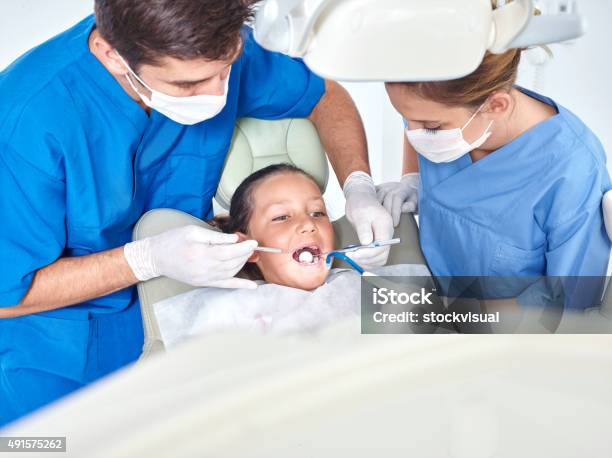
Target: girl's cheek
x,y
278,232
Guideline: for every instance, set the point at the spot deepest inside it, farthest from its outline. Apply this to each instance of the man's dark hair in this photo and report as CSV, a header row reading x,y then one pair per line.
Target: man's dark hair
x,y
144,31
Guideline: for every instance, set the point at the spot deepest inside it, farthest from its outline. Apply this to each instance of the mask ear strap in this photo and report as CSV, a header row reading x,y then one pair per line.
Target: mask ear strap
x,y
474,115
146,86
133,86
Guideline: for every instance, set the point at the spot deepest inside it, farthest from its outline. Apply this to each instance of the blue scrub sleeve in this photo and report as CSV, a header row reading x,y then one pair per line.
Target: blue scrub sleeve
x,y
577,242
579,246
275,86
33,209
577,257
576,239
578,252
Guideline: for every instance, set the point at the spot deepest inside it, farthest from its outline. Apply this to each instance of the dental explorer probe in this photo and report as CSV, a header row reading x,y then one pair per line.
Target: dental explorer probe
x,y
347,249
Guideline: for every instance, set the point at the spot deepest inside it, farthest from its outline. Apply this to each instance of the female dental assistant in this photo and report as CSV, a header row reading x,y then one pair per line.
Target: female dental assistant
x,y
123,113
510,182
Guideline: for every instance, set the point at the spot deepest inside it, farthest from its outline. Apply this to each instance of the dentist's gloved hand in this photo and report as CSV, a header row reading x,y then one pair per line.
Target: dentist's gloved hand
x,y
400,196
369,218
192,255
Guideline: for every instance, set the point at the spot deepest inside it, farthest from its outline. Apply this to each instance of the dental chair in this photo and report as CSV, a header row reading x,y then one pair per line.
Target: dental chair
x,y
255,145
606,205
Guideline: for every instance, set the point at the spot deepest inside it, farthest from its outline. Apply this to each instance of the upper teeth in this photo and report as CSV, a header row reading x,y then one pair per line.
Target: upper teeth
x,y
306,256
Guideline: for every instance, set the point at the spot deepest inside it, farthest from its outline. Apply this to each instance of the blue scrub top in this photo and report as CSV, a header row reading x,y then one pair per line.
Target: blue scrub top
x,y
80,162
531,208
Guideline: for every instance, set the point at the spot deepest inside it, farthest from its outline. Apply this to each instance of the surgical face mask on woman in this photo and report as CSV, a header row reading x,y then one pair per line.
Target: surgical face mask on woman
x,y
183,110
445,145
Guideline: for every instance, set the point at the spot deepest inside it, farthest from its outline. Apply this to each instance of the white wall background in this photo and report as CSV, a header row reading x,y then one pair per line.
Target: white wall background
x,y
26,23
578,77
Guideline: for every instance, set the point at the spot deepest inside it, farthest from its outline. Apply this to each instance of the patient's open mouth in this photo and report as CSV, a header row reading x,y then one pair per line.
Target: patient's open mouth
x,y
307,255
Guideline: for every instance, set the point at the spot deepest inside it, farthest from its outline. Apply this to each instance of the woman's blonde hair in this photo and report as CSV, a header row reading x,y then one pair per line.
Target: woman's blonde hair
x,y
497,72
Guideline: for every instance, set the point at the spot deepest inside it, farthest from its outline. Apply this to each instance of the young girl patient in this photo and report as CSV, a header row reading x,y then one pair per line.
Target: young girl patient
x,y
282,207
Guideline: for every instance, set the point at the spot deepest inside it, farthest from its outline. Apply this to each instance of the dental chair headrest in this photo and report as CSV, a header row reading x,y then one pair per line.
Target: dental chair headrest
x,y
257,144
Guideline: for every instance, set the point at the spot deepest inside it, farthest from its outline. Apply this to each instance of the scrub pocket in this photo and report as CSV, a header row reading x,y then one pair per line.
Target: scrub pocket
x,y
25,390
119,338
512,261
42,359
192,182
41,342
186,183
9,407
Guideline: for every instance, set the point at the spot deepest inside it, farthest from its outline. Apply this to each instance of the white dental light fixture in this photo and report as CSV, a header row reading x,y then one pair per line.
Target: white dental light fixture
x,y
404,40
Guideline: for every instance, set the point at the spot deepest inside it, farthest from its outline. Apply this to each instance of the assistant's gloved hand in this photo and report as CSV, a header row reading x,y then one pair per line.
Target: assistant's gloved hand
x,y
192,255
400,196
369,218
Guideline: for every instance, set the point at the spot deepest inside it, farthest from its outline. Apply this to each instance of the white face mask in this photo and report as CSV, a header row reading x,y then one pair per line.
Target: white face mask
x,y
445,145
183,110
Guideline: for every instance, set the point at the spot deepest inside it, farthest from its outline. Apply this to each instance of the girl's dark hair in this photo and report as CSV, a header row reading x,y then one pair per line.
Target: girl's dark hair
x,y
241,207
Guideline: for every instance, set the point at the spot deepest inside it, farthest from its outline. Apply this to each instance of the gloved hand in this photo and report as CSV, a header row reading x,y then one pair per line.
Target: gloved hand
x,y
400,196
192,255
369,218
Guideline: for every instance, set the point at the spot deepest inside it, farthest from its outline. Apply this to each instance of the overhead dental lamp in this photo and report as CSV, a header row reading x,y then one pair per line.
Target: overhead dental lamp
x,y
404,40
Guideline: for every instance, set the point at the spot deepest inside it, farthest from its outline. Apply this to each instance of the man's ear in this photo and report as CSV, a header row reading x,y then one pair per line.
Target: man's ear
x,y
241,238
108,56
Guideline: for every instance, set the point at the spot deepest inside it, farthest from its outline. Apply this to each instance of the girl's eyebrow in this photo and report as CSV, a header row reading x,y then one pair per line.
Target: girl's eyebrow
x,y
288,202
279,203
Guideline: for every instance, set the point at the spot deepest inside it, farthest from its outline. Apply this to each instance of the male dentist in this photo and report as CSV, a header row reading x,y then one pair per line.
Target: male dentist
x,y
130,110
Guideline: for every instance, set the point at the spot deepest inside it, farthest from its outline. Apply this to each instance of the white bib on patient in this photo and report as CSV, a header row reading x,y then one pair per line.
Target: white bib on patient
x,y
268,309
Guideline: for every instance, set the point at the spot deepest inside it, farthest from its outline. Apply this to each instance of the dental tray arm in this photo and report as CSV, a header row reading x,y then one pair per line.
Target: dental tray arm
x,y
516,26
543,30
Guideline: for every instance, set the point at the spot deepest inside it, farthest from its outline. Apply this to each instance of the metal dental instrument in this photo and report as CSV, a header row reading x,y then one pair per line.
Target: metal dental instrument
x,y
347,249
341,254
376,244
265,249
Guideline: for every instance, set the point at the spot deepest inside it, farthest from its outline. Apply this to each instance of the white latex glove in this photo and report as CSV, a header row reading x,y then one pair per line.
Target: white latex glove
x,y
192,255
369,218
400,196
